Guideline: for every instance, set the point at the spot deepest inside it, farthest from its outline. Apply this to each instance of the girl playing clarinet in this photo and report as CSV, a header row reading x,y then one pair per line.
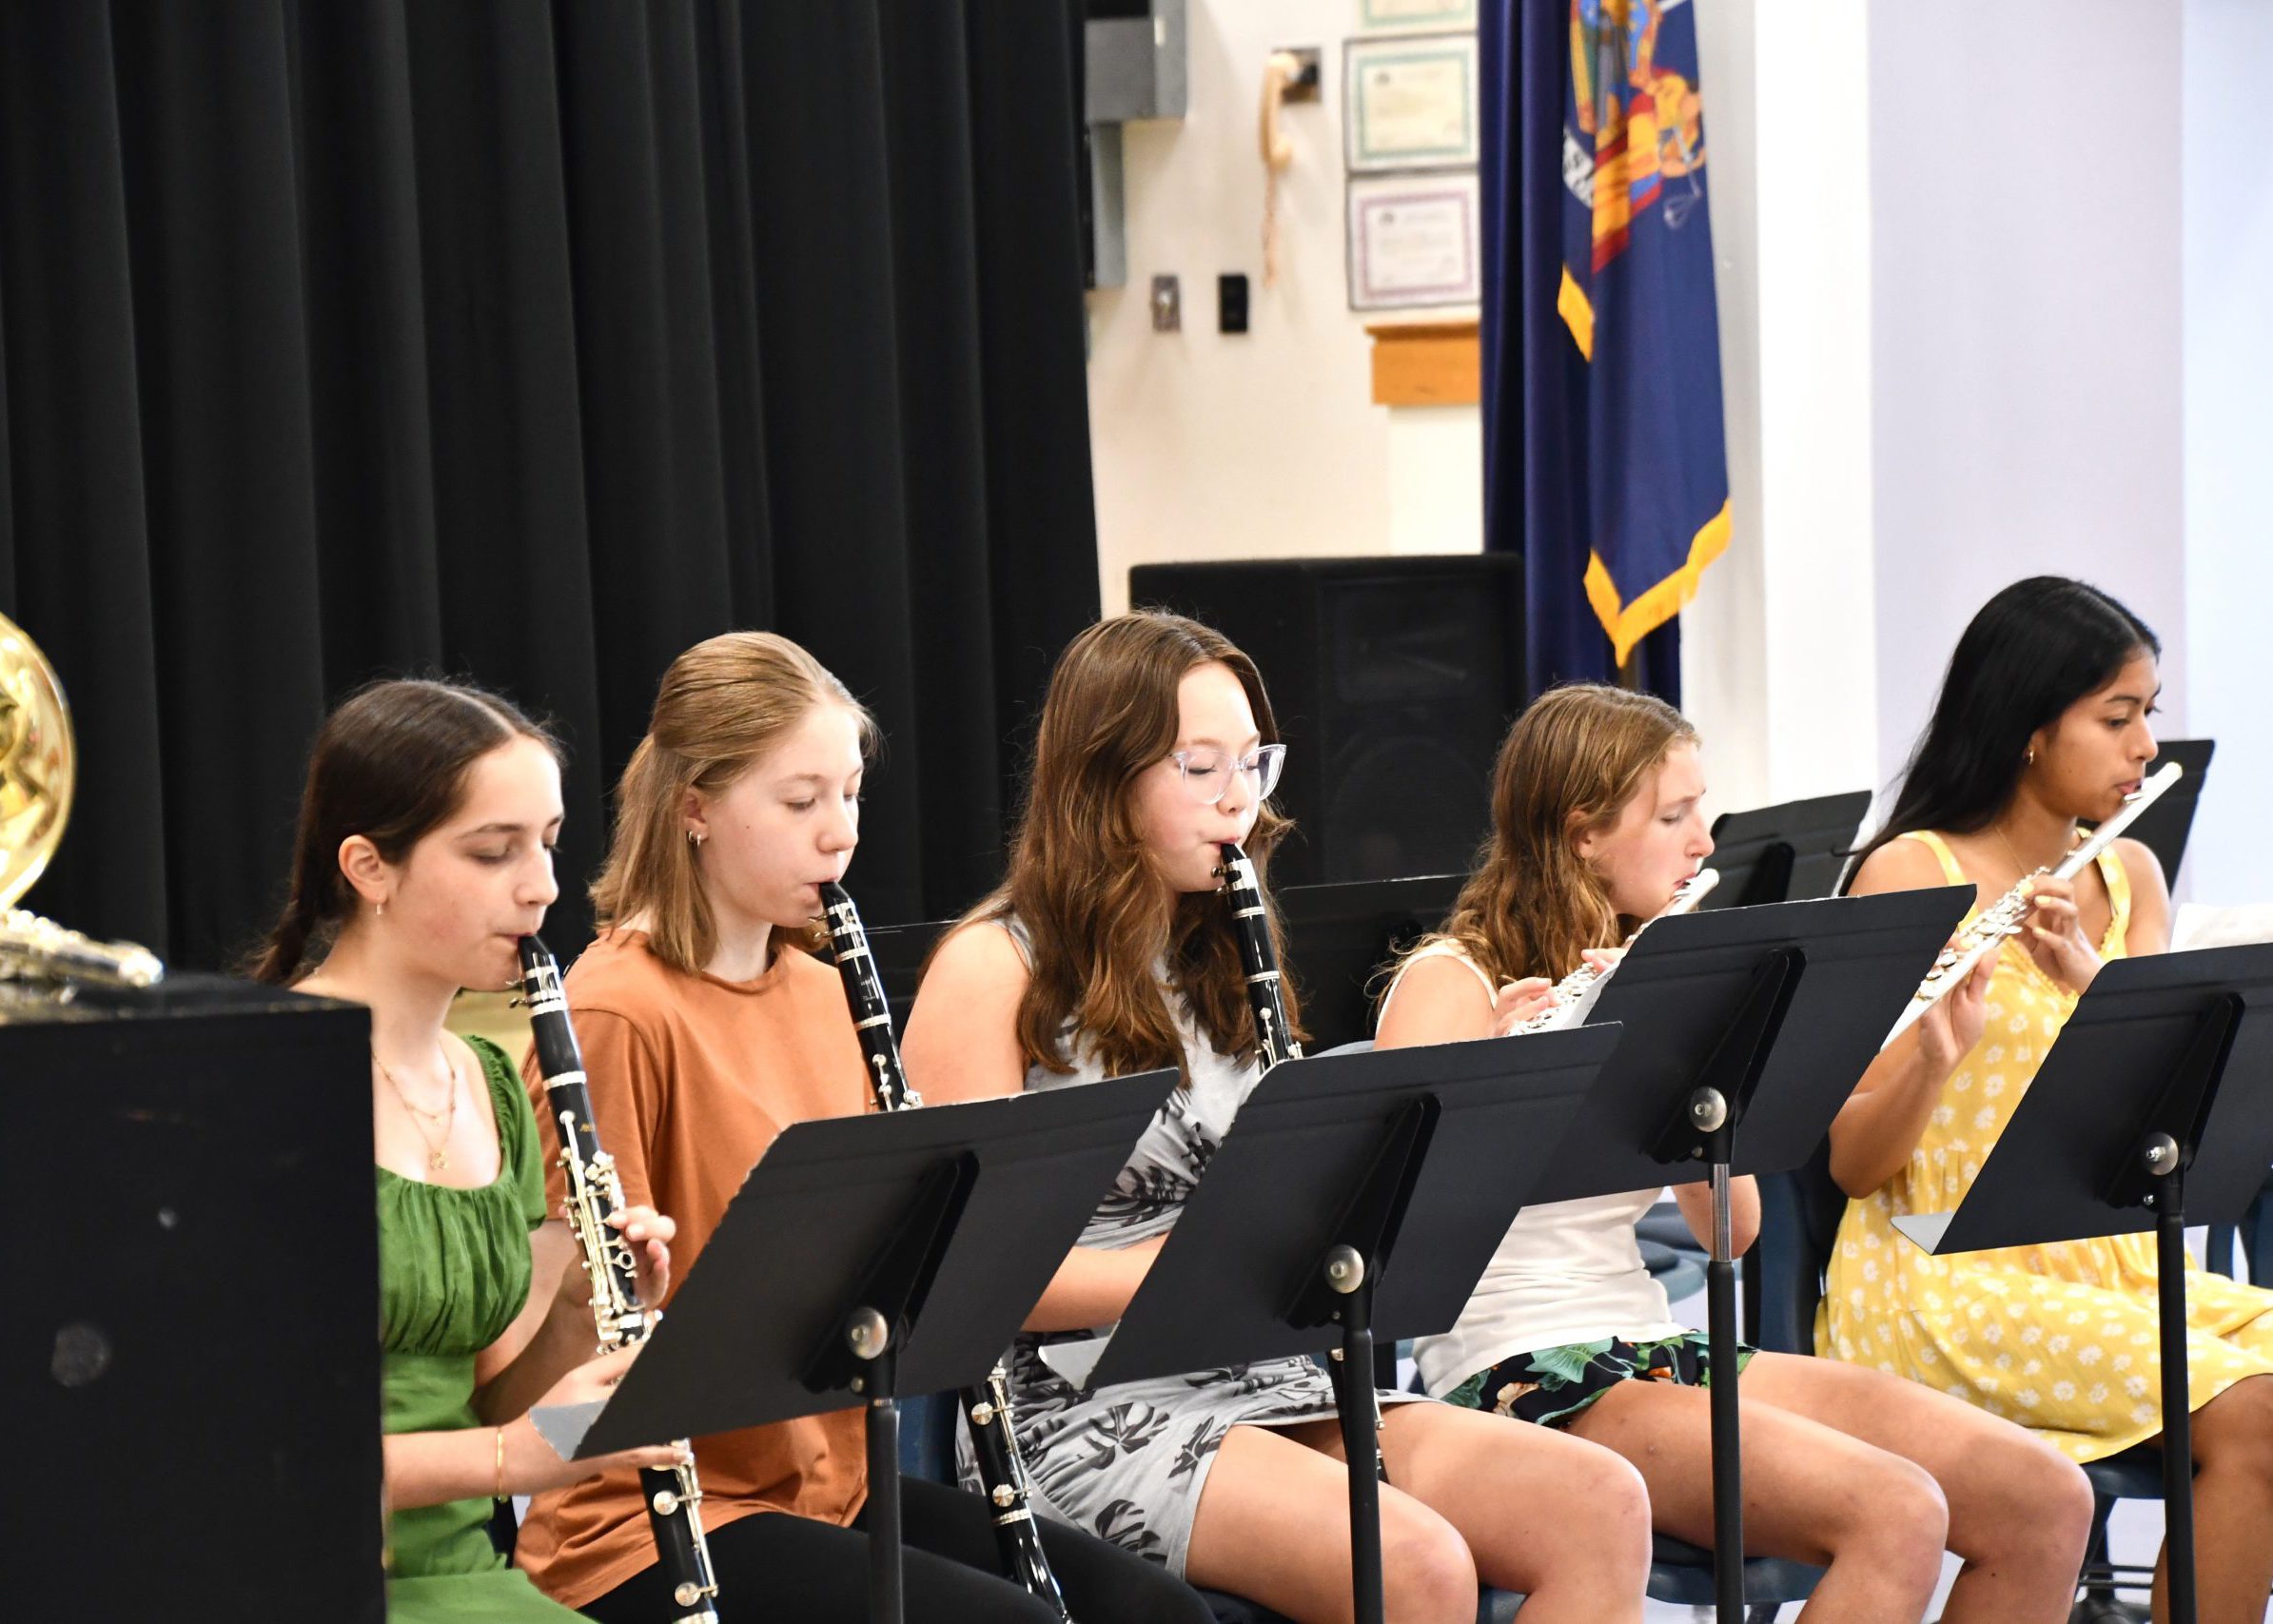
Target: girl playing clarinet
x,y
1109,950
425,852
708,1026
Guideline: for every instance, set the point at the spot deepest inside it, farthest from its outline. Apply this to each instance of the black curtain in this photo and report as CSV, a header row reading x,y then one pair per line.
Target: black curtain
x,y
531,341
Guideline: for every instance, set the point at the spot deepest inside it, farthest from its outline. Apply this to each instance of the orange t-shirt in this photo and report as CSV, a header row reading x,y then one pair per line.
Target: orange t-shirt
x,y
691,1078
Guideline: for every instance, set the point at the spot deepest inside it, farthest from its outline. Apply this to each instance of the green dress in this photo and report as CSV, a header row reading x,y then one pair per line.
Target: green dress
x,y
453,1273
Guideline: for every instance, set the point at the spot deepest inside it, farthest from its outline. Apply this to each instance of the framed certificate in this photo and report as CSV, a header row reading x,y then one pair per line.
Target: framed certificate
x,y
1417,13
1415,240
1409,101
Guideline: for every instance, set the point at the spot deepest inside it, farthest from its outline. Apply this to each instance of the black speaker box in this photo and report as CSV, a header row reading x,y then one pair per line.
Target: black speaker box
x,y
1393,679
189,1354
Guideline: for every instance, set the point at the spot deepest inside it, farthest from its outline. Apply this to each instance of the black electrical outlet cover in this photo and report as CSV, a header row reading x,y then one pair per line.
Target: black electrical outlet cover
x,y
1231,303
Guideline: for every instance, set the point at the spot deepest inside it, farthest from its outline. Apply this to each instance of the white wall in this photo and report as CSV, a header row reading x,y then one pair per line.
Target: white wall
x,y
1946,366
1777,651
2026,287
1209,445
1948,242
1216,446
2228,238
1724,632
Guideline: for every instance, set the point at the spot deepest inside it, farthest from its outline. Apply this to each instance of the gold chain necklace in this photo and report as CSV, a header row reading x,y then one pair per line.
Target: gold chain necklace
x,y
438,1158
2025,872
2018,865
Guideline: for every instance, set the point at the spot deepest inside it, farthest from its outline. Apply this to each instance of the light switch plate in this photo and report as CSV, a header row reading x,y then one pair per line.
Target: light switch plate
x,y
1168,305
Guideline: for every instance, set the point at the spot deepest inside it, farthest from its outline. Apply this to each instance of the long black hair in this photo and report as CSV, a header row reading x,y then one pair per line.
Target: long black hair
x,y
2031,652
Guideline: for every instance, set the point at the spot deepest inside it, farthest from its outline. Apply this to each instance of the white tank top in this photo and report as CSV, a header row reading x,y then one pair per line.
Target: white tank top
x,y
1565,1272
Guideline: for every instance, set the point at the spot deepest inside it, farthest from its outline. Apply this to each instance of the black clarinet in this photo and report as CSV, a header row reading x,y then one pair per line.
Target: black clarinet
x,y
674,1494
1259,964
1258,957
986,1409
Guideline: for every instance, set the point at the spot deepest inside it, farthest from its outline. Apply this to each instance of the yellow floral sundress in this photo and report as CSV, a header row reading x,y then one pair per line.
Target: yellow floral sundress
x,y
2061,1339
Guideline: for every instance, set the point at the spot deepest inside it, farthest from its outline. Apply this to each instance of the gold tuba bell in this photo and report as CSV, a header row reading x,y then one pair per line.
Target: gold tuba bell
x,y
38,768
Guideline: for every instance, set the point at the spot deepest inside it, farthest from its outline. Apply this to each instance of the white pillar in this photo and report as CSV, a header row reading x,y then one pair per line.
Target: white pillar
x,y
1778,653
2228,343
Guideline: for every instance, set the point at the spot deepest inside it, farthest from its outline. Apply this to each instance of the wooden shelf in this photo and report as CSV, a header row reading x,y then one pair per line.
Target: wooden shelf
x,y
1426,363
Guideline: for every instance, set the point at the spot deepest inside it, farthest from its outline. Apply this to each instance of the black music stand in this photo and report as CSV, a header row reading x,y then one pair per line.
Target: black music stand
x,y
1745,1030
868,1253
1359,1191
2125,1128
1785,854
2164,827
1339,937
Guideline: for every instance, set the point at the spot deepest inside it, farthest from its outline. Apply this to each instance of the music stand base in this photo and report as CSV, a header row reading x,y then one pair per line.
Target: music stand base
x,y
1728,1464
1361,1447
886,1599
2178,1425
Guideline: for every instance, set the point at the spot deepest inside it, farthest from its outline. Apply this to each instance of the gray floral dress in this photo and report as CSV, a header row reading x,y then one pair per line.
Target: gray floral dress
x,y
1127,1463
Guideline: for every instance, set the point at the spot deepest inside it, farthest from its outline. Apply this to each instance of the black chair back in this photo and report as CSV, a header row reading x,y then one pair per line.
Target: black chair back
x,y
1799,1223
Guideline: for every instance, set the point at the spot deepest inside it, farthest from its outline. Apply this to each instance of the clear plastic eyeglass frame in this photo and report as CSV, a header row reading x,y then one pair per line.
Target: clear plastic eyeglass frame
x,y
1206,773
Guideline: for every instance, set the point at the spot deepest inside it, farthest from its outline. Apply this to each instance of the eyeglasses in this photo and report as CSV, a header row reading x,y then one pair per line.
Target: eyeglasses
x,y
1206,773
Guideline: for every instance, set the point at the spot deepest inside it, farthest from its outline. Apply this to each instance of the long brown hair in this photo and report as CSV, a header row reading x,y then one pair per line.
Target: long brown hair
x,y
722,705
1099,915
1573,760
389,764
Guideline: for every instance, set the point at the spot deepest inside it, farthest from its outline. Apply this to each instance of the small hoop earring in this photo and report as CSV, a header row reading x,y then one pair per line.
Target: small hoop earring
x,y
379,910
695,838
2030,760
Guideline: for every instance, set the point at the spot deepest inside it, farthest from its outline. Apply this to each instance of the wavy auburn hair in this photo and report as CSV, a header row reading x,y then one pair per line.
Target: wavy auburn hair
x,y
1099,915
721,706
1571,763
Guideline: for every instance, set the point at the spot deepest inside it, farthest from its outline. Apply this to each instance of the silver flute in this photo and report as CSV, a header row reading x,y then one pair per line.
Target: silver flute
x,y
1573,995
2004,917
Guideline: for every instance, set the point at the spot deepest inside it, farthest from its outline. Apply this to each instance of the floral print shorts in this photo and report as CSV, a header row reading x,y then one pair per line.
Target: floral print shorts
x,y
1552,1385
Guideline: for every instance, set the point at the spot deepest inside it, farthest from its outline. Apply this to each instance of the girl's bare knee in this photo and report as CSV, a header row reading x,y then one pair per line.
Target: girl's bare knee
x,y
1601,1544
2034,1506
2065,1504
1615,1513
1428,1574
2236,1427
1897,1523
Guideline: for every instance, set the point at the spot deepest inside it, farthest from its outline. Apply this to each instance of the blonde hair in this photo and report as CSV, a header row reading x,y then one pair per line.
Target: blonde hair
x,y
1571,763
721,707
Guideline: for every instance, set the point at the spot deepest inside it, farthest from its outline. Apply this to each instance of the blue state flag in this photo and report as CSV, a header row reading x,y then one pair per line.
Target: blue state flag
x,y
1636,297
1601,353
